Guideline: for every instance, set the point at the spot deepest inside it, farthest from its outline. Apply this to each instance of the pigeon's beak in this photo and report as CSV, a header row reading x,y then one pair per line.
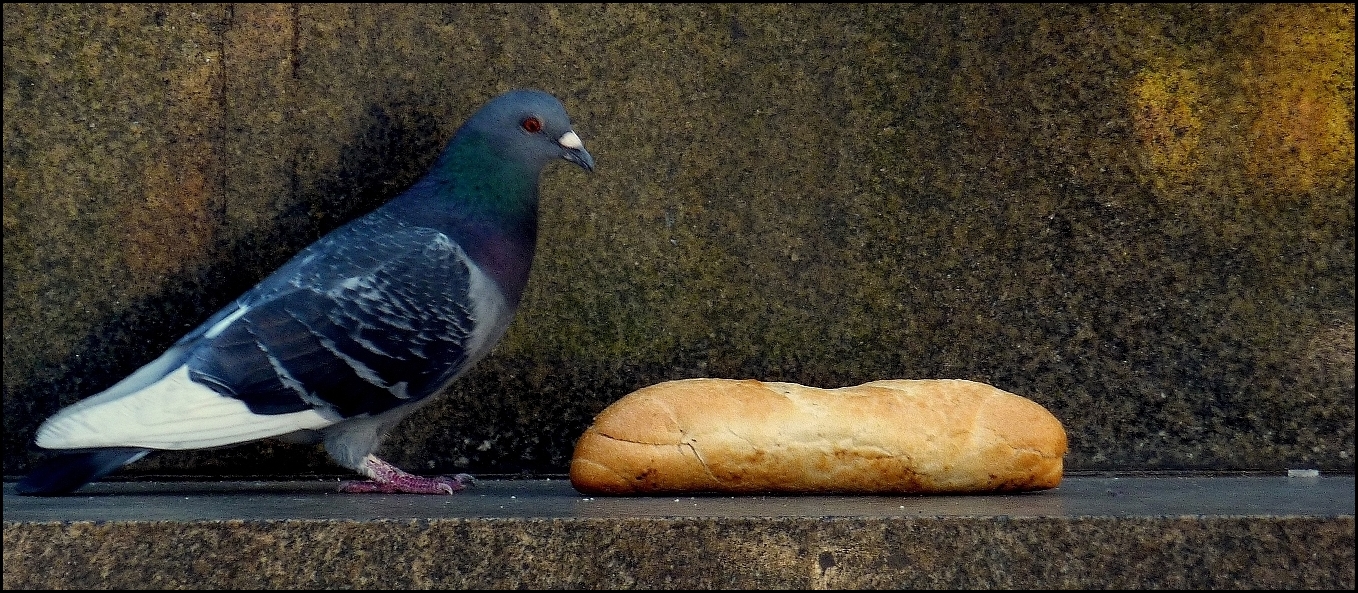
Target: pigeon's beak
x,y
575,151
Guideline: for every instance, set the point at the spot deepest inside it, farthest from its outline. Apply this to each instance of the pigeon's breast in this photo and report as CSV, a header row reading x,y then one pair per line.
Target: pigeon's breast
x,y
503,253
491,310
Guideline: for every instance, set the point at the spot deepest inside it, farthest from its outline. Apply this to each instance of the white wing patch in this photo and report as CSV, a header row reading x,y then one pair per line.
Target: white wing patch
x,y
172,413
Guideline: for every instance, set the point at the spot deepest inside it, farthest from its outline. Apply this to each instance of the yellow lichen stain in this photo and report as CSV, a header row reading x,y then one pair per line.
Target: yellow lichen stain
x,y
1264,124
171,228
1165,102
1302,136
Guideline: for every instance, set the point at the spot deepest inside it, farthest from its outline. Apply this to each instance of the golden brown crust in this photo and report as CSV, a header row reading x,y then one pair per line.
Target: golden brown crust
x,y
895,436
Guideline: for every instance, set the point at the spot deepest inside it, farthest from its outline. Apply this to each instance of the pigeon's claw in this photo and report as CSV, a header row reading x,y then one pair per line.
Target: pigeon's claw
x,y
389,479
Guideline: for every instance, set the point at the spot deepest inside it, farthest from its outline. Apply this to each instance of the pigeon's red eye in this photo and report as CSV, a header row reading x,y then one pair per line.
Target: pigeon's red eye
x,y
532,125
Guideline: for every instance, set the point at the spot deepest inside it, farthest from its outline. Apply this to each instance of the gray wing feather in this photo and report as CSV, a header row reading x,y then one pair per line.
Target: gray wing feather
x,y
371,317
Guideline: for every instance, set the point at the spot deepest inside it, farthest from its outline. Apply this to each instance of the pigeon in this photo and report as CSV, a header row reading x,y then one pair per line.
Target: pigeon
x,y
355,332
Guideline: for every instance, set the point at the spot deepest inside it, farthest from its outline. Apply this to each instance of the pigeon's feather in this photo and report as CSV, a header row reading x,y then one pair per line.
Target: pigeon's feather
x,y
363,340
73,470
349,336
173,413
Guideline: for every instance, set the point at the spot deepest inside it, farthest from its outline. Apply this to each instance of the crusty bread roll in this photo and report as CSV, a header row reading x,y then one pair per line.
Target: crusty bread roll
x,y
897,436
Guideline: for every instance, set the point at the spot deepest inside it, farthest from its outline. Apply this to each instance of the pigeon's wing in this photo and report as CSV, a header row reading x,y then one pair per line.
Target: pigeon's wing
x,y
359,323
352,344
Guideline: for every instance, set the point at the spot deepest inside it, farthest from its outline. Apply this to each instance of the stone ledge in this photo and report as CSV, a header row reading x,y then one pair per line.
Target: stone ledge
x,y
1092,532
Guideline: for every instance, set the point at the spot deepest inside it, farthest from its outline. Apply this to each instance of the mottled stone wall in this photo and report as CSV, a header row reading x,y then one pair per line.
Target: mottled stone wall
x,y
1141,217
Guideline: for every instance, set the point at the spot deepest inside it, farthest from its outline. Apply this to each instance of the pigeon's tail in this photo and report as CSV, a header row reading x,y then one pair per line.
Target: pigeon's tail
x,y
72,470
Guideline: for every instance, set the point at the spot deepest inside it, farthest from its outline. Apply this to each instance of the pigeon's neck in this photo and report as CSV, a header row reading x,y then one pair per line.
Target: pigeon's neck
x,y
488,183
485,203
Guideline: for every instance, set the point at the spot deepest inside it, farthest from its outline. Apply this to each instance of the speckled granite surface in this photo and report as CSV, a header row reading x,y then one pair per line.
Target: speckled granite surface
x,y
1141,217
1092,532
772,553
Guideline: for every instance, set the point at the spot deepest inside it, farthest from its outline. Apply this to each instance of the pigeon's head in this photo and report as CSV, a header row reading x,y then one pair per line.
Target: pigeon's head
x,y
528,127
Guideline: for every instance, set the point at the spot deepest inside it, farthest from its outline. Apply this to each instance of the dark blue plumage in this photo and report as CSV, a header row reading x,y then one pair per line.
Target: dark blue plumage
x,y
348,337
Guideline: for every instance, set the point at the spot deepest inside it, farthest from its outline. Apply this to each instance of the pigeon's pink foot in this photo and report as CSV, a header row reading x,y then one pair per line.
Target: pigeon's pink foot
x,y
387,479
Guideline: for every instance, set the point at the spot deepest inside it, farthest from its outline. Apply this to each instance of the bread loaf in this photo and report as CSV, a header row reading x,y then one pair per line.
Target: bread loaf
x,y
896,436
